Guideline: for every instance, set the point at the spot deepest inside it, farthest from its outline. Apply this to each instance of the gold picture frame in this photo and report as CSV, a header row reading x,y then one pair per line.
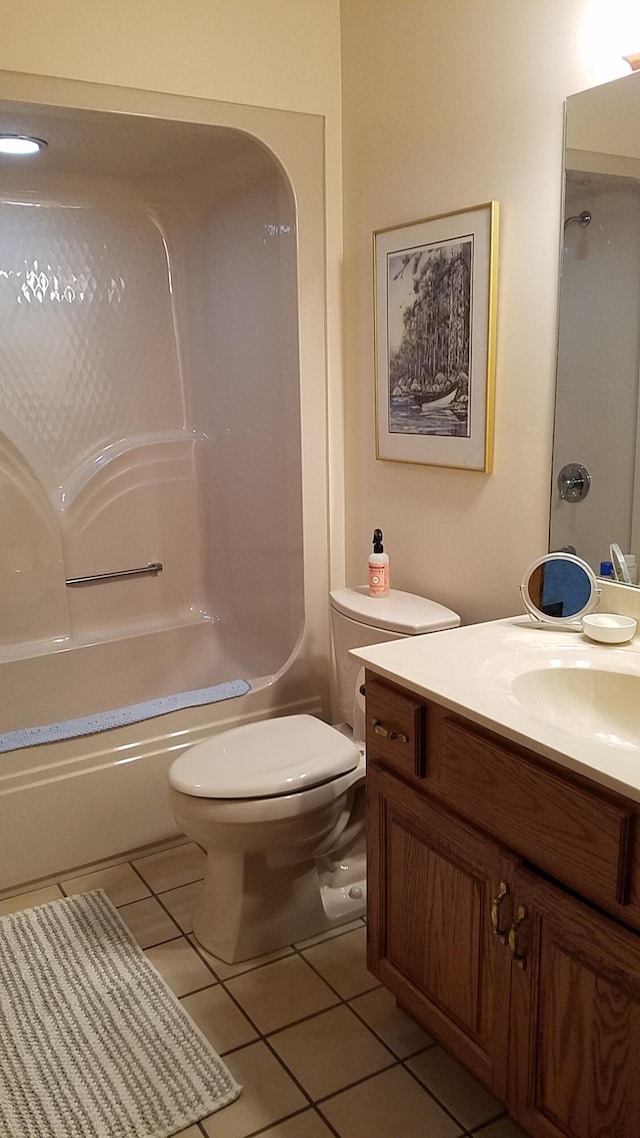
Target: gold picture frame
x,y
435,296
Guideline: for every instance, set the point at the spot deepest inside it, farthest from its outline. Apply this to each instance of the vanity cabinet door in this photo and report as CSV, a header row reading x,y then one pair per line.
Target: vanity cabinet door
x,y
575,1018
436,889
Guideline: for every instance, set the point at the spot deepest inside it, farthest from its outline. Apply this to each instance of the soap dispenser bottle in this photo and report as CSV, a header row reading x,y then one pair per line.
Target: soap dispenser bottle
x,y
378,568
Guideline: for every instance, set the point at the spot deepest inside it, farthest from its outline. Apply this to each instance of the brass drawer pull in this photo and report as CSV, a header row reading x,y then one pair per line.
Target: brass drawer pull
x,y
496,903
519,957
395,735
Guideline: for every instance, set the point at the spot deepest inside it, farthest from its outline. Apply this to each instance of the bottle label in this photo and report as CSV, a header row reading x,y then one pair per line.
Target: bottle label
x,y
378,580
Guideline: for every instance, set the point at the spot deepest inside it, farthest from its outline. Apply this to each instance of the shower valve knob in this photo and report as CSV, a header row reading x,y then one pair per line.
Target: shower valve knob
x,y
574,482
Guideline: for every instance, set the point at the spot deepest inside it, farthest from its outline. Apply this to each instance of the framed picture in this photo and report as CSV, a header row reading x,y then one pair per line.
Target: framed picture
x,y
435,328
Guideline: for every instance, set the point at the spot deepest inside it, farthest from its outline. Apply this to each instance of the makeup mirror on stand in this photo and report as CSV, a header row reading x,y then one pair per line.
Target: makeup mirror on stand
x,y
558,590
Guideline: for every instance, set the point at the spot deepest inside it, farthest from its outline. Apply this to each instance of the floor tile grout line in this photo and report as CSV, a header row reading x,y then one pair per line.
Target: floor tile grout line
x,y
220,982
140,878
322,1099
447,1110
217,980
202,953
312,1103
264,1037
158,897
319,1100
170,888
476,1132
35,885
400,1058
287,1118
375,983
153,897
288,950
291,951
295,951
341,1001
307,1094
326,1121
329,935
344,1001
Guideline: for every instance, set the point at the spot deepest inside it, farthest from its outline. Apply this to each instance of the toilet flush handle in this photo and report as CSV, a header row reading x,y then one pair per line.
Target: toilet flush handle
x,y
380,730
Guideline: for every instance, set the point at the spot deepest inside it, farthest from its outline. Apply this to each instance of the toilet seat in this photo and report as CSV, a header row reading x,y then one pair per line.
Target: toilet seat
x,y
268,759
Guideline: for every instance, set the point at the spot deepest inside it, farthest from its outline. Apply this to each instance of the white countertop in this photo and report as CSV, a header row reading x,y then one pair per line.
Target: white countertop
x,y
471,670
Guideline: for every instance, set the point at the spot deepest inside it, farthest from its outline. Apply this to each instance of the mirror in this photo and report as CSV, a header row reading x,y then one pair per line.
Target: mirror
x,y
559,589
595,492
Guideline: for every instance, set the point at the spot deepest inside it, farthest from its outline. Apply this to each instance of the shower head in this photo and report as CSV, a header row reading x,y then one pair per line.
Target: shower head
x,y
583,219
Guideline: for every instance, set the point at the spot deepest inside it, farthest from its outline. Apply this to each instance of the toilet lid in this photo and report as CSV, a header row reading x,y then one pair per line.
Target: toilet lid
x,y
264,760
399,612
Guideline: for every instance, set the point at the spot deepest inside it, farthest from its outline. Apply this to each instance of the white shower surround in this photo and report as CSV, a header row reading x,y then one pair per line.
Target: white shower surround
x,y
205,463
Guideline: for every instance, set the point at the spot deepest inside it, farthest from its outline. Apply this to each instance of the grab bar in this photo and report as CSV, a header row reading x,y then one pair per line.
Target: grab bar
x,y
153,567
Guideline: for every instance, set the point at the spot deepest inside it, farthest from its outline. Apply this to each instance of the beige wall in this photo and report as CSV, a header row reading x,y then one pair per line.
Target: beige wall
x,y
268,53
448,104
273,53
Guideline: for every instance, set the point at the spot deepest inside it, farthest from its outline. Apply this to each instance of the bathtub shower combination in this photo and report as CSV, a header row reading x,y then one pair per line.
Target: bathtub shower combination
x,y
151,474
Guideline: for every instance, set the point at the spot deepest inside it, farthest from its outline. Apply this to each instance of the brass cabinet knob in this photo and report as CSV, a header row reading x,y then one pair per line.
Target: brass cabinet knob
x,y
496,904
519,957
398,736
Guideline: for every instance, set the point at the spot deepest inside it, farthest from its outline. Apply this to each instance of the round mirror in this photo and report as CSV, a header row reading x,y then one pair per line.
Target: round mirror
x,y
559,588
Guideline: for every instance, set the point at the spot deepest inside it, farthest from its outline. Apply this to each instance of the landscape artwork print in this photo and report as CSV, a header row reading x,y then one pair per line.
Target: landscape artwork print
x,y
435,309
429,314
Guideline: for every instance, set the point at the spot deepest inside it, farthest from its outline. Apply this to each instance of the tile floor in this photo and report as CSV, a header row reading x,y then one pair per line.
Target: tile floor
x,y
318,1045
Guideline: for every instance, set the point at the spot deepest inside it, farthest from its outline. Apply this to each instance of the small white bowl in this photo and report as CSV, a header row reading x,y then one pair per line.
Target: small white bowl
x,y
609,627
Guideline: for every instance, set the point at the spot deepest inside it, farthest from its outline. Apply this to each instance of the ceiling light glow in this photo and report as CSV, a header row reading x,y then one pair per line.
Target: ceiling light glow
x,y
20,144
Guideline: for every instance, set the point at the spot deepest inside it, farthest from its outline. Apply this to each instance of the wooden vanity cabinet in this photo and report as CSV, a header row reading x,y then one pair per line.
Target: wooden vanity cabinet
x,y
491,932
430,885
574,1019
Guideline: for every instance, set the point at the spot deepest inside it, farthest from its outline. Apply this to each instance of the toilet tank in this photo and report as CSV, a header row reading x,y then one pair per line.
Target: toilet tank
x,y
358,620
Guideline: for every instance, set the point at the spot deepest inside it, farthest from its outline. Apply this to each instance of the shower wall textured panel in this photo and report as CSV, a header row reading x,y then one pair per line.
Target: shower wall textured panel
x,y
89,353
95,459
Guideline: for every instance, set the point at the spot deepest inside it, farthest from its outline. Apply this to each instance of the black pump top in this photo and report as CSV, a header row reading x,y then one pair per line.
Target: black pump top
x,y
377,541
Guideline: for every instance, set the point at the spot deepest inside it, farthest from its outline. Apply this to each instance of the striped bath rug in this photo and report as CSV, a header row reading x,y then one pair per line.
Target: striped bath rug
x,y
93,1044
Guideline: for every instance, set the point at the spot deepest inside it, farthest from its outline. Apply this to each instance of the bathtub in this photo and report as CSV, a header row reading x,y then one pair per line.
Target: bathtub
x,y
63,683
69,803
162,401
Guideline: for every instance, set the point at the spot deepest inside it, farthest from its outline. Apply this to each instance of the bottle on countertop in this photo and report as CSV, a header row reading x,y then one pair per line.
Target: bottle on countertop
x,y
378,568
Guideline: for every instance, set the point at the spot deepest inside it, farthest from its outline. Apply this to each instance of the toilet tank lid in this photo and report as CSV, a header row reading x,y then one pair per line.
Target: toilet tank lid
x,y
397,612
264,760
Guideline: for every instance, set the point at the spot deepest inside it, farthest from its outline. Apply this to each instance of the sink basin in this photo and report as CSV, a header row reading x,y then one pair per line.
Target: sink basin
x,y
590,702
554,691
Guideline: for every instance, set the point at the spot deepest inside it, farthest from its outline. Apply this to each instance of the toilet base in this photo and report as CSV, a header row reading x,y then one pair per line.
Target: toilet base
x,y
248,907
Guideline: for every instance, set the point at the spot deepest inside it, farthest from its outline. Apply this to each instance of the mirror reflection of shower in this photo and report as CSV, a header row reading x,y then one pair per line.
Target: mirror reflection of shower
x,y
597,405
583,219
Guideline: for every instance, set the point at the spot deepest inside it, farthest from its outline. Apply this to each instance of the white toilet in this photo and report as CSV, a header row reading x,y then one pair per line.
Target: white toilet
x,y
279,805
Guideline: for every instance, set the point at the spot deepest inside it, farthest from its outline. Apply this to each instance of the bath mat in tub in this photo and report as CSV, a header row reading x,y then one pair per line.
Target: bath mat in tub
x,y
93,1044
134,713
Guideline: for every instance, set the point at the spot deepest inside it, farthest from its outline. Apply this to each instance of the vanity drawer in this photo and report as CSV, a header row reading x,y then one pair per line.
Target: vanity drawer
x,y
395,727
576,835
